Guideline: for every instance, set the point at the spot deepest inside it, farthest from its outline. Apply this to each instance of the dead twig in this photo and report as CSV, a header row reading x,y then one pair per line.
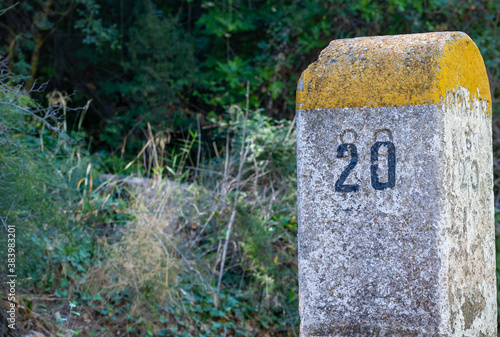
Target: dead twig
x,y
243,154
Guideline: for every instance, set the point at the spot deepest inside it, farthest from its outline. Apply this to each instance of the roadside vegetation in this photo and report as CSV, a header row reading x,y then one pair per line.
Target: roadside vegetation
x,y
148,155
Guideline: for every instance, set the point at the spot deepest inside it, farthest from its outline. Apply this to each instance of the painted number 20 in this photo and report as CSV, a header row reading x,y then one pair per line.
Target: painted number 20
x,y
376,183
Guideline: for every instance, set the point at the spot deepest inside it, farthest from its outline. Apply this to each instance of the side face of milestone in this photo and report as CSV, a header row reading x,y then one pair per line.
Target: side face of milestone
x,y
395,189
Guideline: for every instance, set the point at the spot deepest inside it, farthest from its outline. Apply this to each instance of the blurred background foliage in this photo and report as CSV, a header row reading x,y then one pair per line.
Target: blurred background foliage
x,y
148,152
166,62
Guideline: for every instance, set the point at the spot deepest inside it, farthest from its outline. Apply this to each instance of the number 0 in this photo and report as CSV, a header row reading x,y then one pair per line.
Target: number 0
x,y
391,163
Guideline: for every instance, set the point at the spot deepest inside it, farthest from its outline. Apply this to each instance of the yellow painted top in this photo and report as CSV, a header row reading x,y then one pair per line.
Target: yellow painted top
x,y
390,71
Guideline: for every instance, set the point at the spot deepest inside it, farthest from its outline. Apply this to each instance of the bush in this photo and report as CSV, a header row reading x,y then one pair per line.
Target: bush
x,y
40,166
233,213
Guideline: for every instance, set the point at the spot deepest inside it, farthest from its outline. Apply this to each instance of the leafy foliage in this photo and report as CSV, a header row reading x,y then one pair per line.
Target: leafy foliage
x,y
139,61
41,168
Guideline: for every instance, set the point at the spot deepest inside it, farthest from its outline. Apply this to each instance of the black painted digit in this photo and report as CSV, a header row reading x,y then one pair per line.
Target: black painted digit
x,y
391,163
339,184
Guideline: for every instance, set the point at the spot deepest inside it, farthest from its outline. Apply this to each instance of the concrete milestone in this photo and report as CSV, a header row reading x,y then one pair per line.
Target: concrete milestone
x,y
396,215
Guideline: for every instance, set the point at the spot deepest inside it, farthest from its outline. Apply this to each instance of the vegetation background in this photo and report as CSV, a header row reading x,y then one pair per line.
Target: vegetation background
x,y
148,154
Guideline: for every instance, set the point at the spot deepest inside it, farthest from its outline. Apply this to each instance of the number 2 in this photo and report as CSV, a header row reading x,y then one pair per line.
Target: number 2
x,y
339,184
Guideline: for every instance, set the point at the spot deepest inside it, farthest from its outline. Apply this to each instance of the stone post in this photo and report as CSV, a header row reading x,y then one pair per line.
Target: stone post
x,y
396,215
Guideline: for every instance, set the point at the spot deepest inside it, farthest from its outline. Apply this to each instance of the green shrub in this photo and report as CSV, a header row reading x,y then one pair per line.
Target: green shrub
x,y
169,256
39,168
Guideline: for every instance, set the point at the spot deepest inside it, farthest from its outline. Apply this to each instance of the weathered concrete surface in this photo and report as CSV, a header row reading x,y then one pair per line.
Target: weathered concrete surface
x,y
394,70
467,238
396,229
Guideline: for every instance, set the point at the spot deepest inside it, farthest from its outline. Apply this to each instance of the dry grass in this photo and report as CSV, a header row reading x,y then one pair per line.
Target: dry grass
x,y
216,234
146,258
